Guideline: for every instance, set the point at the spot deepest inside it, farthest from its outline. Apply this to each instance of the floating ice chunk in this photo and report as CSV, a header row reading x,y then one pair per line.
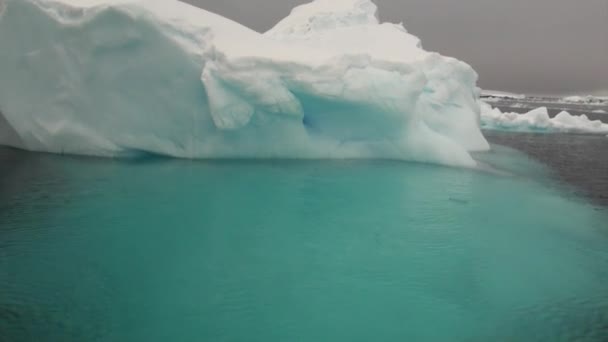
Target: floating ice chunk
x,y
502,94
538,120
113,77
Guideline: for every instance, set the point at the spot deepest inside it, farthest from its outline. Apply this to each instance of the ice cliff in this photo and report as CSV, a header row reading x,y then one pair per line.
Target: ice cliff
x,y
123,77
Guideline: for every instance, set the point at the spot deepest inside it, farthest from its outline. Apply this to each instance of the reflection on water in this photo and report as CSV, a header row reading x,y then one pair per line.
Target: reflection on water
x,y
157,250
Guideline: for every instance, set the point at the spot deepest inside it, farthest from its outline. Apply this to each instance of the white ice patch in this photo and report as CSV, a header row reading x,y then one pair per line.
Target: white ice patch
x,y
326,15
538,120
112,77
588,99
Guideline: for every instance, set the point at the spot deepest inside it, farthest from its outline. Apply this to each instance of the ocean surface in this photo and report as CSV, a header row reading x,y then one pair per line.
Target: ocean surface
x,y
176,250
580,161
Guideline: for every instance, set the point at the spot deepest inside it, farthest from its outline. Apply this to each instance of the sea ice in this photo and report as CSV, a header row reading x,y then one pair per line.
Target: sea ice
x,y
538,120
122,77
589,99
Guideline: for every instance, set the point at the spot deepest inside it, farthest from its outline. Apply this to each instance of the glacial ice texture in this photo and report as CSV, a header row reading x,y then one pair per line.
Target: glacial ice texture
x,y
124,77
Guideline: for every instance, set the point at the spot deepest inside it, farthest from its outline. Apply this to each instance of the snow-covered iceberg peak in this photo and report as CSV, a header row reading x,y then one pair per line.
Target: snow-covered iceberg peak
x,y
117,77
325,15
349,26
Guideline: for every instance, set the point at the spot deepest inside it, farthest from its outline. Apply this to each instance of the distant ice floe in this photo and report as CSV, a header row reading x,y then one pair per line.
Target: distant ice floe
x,y
501,95
538,120
585,99
528,99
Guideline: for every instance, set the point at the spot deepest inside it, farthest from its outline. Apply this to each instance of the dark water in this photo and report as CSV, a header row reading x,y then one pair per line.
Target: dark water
x,y
173,250
578,160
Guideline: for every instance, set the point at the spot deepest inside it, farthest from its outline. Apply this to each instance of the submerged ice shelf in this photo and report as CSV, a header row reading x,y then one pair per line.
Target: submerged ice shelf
x,y
121,77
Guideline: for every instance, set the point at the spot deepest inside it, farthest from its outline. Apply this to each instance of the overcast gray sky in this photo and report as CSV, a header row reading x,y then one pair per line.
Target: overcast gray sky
x,y
528,46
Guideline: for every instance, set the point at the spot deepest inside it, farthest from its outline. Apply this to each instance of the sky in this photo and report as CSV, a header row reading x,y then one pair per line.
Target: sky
x,y
545,47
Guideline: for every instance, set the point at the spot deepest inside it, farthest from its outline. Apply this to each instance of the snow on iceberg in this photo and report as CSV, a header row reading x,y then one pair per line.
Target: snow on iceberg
x,y
538,120
121,77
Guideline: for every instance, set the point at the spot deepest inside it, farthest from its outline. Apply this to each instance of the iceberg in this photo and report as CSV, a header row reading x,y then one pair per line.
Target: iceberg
x,y
538,120
125,77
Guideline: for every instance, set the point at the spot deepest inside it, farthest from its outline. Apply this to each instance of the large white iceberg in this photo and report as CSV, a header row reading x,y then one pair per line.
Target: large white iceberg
x,y
538,120
122,77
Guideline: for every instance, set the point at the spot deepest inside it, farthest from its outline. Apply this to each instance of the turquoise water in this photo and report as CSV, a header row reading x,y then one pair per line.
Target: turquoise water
x,y
168,250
